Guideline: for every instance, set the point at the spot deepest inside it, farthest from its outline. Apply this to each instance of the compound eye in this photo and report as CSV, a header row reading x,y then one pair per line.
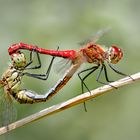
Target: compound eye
x,y
115,54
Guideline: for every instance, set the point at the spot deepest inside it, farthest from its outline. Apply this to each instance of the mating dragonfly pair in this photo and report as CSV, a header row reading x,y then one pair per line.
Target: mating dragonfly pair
x,y
90,53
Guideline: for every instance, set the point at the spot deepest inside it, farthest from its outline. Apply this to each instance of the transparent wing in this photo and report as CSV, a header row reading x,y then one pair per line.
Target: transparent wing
x,y
95,37
8,112
62,66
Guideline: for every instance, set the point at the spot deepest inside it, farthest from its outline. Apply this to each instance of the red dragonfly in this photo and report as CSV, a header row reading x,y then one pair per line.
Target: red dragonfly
x,y
91,53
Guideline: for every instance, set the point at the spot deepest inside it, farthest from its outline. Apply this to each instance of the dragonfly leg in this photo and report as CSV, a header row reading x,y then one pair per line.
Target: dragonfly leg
x,y
117,71
106,75
82,80
41,76
31,61
103,67
29,97
38,58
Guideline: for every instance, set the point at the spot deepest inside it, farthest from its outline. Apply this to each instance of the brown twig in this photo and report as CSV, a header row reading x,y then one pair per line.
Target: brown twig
x,y
69,103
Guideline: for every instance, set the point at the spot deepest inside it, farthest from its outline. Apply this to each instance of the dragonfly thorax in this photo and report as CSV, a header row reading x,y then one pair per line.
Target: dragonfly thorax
x,y
114,54
12,80
18,60
94,53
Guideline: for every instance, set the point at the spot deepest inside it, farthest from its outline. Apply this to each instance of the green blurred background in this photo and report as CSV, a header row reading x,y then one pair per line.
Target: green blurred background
x,y
64,23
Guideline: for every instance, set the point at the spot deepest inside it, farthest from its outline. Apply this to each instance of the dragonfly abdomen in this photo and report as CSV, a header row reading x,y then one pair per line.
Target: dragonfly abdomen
x,y
28,97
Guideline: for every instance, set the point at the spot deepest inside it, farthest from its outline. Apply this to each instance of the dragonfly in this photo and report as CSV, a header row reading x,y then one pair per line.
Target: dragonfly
x,y
11,84
90,52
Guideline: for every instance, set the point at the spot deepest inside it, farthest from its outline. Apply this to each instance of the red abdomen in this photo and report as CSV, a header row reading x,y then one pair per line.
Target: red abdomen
x,y
65,54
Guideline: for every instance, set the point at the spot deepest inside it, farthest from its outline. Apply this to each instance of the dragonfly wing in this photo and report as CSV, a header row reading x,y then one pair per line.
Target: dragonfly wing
x,y
95,37
62,66
8,111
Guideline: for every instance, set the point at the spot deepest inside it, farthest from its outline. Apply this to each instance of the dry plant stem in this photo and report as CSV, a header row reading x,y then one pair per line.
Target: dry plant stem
x,y
69,103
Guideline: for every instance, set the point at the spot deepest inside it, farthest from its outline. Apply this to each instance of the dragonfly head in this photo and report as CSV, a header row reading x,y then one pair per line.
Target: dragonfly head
x,y
18,59
115,54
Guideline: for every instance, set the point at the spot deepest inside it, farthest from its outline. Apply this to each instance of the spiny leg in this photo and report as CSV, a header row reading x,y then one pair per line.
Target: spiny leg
x,y
31,61
103,67
117,71
41,76
82,80
38,58
106,75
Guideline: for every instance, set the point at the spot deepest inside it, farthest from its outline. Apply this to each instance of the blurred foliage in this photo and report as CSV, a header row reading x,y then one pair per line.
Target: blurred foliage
x,y
49,23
